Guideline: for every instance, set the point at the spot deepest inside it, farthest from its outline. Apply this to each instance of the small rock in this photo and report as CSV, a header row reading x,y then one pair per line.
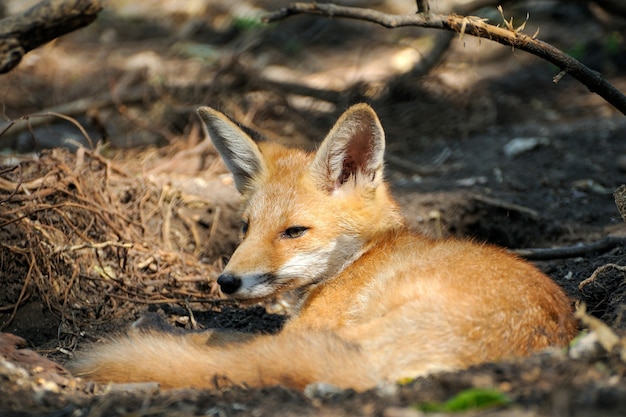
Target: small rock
x,y
519,146
585,346
322,390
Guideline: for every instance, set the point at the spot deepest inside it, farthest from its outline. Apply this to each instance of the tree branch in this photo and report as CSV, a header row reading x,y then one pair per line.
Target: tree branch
x,y
474,26
41,23
423,6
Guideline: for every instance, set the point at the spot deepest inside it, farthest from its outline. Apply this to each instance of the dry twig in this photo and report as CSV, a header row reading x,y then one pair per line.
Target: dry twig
x,y
606,336
597,272
100,245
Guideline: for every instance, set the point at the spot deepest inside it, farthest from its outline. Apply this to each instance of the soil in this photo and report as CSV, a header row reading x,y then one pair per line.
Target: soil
x,y
482,145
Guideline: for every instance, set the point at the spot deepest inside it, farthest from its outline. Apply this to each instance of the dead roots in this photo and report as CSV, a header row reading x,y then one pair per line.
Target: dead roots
x,y
67,218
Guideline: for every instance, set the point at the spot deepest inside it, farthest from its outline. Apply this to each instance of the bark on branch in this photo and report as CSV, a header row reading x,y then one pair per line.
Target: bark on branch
x,y
41,23
469,25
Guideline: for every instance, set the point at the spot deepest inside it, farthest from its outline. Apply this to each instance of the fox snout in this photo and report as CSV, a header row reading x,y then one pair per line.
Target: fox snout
x,y
249,286
229,283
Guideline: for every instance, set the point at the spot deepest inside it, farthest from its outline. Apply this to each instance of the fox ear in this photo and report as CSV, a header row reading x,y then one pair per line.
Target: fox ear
x,y
237,149
352,151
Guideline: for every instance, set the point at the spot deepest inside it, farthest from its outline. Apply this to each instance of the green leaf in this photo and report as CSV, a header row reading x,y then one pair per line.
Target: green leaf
x,y
468,400
244,23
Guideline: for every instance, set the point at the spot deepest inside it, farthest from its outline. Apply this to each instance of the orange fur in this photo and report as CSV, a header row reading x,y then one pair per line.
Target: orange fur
x,y
377,302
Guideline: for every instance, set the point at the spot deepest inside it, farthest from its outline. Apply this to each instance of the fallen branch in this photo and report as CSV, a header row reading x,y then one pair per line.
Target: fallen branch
x,y
470,25
76,107
40,24
542,254
506,205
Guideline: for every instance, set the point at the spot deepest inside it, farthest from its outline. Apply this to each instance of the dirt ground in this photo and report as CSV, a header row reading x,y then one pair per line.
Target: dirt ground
x,y
481,145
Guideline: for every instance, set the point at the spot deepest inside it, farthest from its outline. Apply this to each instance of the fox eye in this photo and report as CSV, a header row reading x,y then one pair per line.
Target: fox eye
x,y
294,232
244,228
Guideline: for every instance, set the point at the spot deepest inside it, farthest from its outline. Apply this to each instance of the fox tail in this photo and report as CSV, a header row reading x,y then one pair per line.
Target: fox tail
x,y
178,361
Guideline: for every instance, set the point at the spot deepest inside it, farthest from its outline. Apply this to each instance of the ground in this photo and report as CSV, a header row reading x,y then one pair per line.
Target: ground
x,y
482,145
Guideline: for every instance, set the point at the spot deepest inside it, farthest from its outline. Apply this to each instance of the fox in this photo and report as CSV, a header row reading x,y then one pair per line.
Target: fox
x,y
375,301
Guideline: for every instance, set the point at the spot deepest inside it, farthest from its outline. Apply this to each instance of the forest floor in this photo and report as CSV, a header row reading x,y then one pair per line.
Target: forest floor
x,y
482,145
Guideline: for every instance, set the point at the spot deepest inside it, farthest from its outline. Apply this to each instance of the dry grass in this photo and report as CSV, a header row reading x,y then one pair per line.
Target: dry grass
x,y
95,237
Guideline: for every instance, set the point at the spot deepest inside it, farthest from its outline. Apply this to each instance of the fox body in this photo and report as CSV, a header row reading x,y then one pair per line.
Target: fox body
x,y
376,302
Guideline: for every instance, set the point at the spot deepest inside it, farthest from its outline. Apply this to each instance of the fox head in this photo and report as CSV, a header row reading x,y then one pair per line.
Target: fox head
x,y
305,216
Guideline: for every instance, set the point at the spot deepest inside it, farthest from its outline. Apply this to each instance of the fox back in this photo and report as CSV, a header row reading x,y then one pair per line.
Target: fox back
x,y
376,302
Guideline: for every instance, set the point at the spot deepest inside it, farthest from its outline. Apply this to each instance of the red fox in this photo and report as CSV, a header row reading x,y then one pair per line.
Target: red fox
x,y
376,302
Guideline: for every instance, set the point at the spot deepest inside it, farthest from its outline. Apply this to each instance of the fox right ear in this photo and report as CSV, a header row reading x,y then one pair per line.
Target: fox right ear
x,y
239,152
352,152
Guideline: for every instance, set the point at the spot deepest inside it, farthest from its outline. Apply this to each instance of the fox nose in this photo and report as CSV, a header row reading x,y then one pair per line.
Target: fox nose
x,y
229,283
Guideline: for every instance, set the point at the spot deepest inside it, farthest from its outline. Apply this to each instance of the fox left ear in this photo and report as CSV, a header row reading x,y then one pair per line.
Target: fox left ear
x,y
239,152
352,151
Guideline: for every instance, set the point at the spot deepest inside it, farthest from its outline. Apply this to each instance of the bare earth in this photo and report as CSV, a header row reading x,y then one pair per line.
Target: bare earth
x,y
481,146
